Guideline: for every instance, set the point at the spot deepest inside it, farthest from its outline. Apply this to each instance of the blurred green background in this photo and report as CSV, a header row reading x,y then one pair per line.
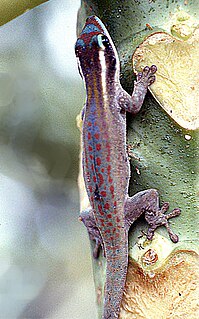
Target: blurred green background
x,y
45,265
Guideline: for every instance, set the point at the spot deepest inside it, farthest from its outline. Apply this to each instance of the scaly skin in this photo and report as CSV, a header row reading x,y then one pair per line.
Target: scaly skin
x,y
105,163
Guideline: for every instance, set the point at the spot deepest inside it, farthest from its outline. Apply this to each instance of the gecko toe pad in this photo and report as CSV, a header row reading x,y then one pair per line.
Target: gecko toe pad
x,y
147,76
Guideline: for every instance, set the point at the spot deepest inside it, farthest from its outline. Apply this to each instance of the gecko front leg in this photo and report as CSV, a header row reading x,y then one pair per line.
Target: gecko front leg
x,y
133,103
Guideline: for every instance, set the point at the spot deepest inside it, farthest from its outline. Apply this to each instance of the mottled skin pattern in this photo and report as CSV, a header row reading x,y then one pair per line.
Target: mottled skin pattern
x,y
105,163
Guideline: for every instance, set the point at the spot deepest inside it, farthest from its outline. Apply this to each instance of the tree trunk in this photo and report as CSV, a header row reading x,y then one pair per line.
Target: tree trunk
x,y
162,280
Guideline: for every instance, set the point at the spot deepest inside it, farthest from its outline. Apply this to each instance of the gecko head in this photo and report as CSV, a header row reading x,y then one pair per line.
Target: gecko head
x,y
95,49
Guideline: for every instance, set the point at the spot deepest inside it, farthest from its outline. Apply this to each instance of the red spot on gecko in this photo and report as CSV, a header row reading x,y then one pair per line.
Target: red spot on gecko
x,y
94,179
89,124
92,167
107,206
101,213
90,148
108,146
108,158
98,161
110,180
103,193
117,219
102,222
98,147
101,179
108,247
112,189
96,135
89,135
109,169
110,224
102,170
91,157
109,216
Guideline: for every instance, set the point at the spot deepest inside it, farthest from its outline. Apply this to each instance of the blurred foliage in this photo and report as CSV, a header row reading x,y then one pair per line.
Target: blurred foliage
x,y
10,9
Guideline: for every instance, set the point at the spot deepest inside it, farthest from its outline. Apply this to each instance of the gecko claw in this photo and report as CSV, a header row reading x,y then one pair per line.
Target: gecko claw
x,y
158,218
151,80
153,69
175,212
174,238
146,70
139,76
165,207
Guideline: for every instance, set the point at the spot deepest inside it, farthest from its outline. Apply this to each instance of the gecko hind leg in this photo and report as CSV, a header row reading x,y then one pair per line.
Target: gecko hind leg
x,y
87,217
147,202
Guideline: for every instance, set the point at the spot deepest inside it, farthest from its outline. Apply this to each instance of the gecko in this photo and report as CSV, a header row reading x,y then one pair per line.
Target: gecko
x,y
106,167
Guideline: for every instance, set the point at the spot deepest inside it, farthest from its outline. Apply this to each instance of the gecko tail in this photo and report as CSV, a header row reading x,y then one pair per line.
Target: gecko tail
x,y
116,270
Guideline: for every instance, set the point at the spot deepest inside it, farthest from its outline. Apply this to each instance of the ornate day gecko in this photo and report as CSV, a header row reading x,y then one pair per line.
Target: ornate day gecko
x,y
105,162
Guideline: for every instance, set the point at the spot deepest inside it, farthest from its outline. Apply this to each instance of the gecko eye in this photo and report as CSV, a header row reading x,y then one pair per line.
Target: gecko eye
x,y
103,41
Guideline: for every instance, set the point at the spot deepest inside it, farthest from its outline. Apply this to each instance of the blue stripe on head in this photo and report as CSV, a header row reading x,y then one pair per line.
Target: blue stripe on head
x,y
80,43
90,28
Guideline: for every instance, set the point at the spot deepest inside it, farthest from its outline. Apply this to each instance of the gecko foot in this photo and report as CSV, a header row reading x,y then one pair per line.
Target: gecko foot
x,y
159,218
147,77
88,220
